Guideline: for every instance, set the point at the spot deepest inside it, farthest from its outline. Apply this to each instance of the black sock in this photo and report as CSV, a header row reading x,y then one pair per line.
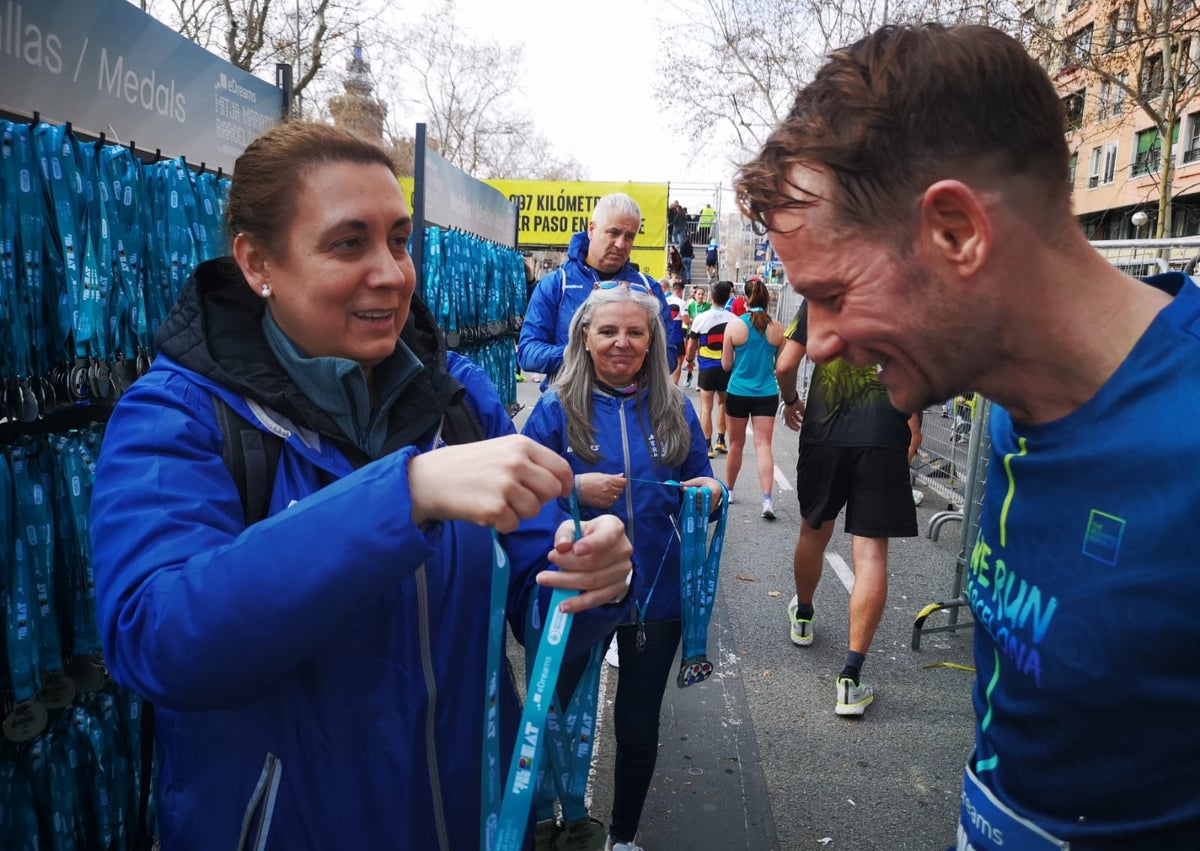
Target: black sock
x,y
804,611
853,668
720,438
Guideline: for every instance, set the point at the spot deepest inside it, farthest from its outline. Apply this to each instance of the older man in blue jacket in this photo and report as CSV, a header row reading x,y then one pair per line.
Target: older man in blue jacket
x,y
601,253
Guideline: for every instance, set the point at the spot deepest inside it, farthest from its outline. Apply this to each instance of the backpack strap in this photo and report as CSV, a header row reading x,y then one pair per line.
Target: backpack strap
x,y
460,424
252,457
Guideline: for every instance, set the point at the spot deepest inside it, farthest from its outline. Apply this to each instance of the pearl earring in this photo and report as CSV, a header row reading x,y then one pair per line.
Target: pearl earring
x,y
265,292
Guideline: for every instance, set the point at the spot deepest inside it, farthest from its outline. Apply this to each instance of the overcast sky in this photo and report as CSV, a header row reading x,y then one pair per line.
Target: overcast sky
x,y
590,72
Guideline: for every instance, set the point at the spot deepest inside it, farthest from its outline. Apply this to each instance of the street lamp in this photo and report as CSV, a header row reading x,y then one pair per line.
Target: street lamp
x,y
1138,219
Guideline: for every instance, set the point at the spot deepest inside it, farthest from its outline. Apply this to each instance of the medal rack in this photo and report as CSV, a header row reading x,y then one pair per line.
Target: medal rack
x,y
474,284
476,290
96,242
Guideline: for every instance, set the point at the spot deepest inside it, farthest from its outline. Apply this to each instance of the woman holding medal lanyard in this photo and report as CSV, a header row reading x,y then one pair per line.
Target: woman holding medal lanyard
x,y
318,676
633,442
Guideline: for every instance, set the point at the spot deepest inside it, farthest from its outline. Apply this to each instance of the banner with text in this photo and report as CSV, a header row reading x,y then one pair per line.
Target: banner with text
x,y
551,212
107,67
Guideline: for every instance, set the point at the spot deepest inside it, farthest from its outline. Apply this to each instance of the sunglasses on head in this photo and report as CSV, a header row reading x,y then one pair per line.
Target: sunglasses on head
x,y
608,285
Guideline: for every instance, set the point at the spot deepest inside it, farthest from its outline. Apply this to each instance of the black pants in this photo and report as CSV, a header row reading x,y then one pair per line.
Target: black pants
x,y
641,681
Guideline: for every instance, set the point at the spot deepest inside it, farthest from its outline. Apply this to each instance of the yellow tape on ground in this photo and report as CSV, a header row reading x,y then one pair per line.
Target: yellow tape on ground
x,y
953,665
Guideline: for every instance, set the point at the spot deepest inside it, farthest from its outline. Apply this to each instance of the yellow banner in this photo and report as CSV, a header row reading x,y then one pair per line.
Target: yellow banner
x,y
551,212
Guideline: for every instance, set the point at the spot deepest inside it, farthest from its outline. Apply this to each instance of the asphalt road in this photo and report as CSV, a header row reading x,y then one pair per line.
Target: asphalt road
x,y
755,758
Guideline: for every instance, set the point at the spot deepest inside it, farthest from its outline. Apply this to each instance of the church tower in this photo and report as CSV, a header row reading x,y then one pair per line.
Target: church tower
x,y
358,110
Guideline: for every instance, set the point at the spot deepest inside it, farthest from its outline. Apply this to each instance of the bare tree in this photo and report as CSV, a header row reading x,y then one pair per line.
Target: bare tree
x,y
731,73
256,34
429,71
462,89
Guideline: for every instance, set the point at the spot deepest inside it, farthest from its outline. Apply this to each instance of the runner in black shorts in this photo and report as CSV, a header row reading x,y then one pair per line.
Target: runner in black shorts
x,y
871,483
705,339
751,406
713,379
855,449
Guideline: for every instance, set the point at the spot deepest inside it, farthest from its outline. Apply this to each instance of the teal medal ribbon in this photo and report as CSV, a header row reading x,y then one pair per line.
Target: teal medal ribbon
x,y
9,249
698,573
21,612
97,277
181,243
572,741
517,796
491,791
35,309
35,526
80,308
210,194
74,476
54,757
119,172
563,772
19,292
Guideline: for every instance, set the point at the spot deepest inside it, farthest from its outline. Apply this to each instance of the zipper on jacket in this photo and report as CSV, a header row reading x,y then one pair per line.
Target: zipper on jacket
x,y
261,808
435,783
628,473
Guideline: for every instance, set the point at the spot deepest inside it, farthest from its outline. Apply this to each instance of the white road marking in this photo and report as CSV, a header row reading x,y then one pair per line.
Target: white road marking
x,y
841,569
780,478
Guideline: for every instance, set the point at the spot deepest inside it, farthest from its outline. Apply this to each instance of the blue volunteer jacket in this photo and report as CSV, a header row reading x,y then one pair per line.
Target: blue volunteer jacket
x,y
646,509
318,676
547,325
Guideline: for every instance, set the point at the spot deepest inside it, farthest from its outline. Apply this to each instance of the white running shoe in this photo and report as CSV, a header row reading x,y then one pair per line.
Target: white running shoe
x,y
622,846
853,699
610,656
802,631
768,510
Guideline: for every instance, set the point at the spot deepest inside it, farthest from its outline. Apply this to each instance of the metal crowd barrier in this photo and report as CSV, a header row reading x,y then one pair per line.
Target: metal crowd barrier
x,y
975,476
1142,257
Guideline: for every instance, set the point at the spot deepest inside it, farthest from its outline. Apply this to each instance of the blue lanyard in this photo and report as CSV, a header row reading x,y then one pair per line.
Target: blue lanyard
x,y
47,344
61,175
119,171
9,247
507,832
642,607
17,232
22,644
698,573
98,269
208,211
180,245
563,772
490,792
75,474
53,759
35,546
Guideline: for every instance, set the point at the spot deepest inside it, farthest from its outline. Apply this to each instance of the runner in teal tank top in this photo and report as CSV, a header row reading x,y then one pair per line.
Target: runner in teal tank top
x,y
749,356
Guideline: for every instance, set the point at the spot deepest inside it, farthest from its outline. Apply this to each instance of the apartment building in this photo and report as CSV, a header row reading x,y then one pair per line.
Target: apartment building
x,y
1108,58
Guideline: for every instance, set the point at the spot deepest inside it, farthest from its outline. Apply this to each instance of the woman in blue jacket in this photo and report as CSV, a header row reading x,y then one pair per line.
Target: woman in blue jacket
x,y
318,676
627,431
